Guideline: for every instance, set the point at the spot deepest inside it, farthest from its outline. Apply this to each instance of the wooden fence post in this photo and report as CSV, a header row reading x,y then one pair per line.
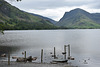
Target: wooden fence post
x,y
69,50
41,55
25,57
65,52
8,58
54,53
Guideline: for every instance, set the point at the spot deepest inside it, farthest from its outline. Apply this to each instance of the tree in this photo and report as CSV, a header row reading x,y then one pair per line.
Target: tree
x,y
18,0
14,0
1,26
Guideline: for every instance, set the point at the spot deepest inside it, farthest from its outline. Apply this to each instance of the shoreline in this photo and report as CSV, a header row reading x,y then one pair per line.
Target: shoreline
x,y
33,64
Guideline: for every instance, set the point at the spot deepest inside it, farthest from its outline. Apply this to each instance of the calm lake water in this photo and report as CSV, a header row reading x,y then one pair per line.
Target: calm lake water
x,y
85,44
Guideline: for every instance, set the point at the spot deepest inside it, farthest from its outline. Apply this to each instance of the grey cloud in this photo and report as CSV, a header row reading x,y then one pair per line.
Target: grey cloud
x,y
95,5
49,4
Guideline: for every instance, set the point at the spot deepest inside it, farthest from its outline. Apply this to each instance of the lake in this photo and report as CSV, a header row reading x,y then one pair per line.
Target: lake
x,y
85,44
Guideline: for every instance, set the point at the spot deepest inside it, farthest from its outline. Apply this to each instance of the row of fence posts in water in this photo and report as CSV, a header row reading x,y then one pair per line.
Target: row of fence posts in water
x,y
42,54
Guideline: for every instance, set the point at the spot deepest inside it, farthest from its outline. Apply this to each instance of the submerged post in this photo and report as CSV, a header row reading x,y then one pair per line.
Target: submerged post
x,y
54,53
65,52
25,56
8,58
41,55
69,50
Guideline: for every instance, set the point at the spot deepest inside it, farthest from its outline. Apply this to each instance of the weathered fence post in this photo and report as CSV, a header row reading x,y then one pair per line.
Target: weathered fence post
x,y
54,53
69,50
8,58
41,55
65,52
25,57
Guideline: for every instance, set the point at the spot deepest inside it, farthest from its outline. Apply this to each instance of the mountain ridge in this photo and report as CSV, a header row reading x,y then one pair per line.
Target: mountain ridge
x,y
45,18
13,18
79,18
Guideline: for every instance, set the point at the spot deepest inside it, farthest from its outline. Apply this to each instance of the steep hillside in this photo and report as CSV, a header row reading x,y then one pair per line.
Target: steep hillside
x,y
45,18
96,17
13,18
79,18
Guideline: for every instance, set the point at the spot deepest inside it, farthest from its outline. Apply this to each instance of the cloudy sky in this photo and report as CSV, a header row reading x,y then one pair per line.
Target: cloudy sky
x,y
55,9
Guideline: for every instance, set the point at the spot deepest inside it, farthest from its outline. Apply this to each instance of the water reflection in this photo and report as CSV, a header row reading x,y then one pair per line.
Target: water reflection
x,y
84,44
8,49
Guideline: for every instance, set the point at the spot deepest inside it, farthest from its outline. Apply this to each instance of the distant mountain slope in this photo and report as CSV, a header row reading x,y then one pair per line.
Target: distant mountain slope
x,y
79,18
96,17
13,18
45,18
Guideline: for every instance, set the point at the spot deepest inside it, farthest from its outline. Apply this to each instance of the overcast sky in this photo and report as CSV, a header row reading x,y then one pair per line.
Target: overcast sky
x,y
55,9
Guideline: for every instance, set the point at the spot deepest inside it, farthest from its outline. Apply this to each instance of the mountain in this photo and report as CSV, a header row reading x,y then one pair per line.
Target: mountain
x,y
13,18
96,17
79,18
45,18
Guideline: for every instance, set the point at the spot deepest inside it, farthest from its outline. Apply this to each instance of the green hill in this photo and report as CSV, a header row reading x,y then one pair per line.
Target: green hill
x,y
13,18
45,18
79,18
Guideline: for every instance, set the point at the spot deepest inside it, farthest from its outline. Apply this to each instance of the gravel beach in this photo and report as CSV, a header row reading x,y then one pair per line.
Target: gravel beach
x,y
23,64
